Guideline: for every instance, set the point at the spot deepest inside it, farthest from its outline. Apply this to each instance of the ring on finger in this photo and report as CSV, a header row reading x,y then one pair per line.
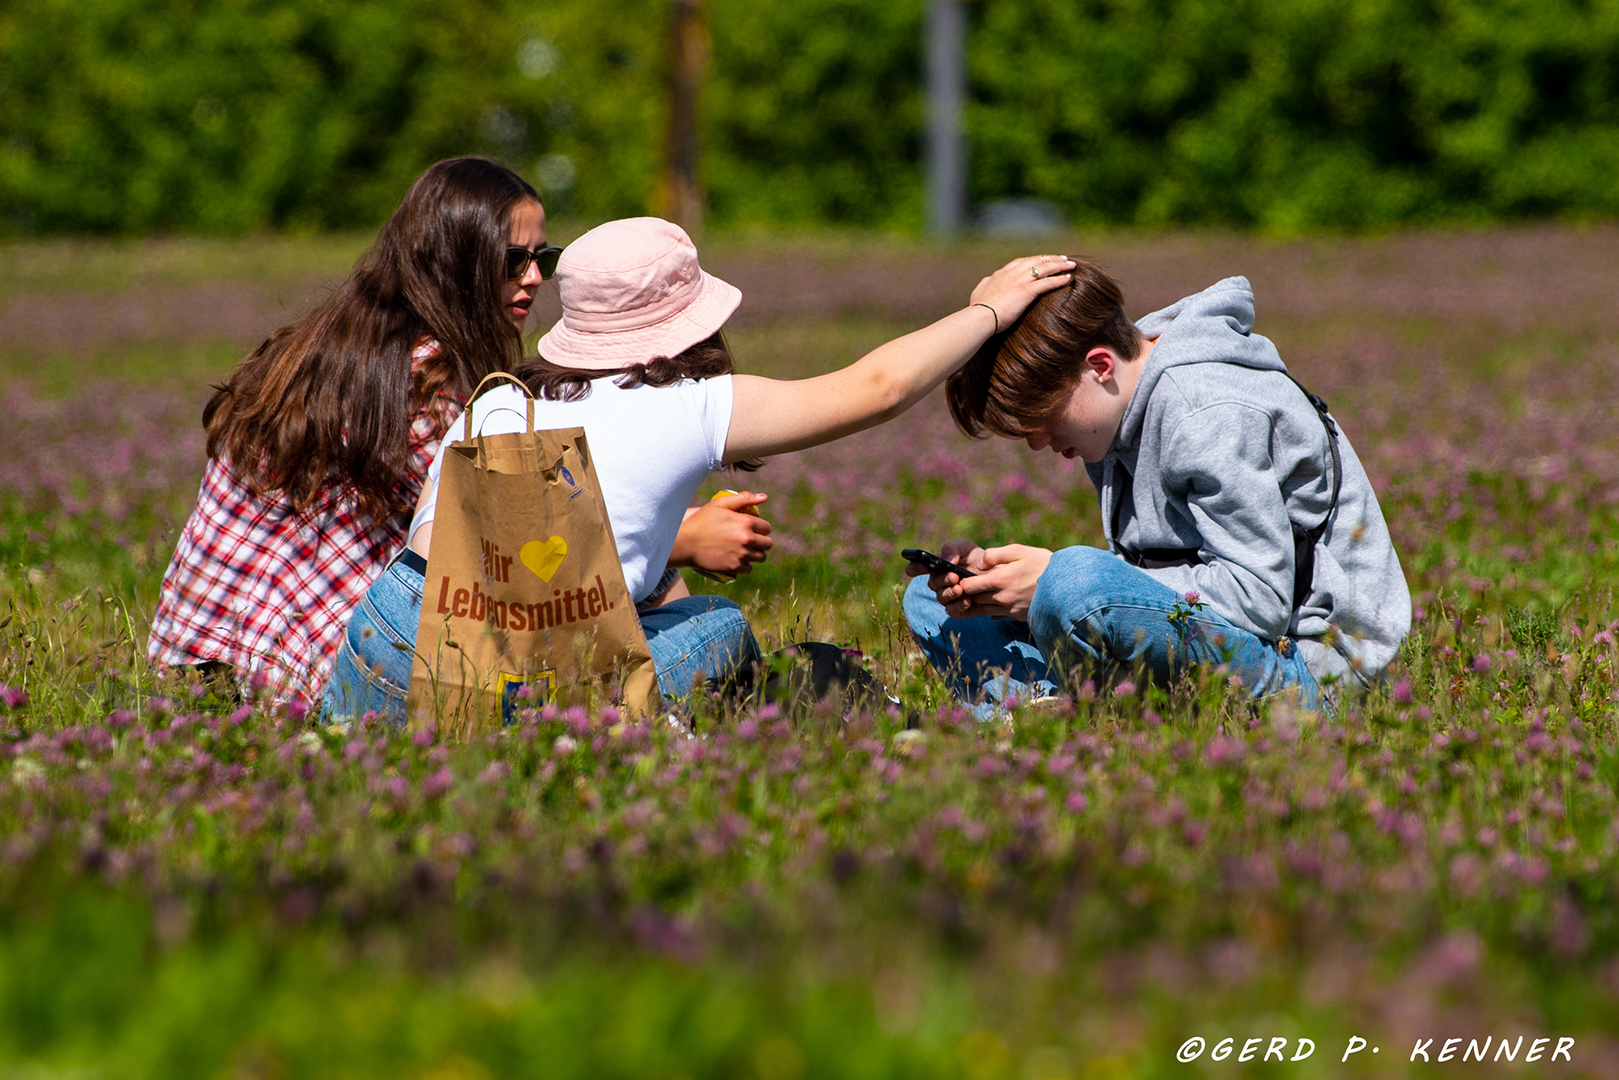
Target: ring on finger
x,y
1034,272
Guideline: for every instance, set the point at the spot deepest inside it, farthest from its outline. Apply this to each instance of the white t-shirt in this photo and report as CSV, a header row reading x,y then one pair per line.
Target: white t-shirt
x,y
654,446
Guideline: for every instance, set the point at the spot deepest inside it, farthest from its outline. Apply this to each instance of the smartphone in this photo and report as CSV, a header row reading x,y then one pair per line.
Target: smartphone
x,y
938,564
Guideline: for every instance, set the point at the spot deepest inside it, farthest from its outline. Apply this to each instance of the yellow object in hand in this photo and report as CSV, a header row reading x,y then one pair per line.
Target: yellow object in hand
x,y
722,492
725,579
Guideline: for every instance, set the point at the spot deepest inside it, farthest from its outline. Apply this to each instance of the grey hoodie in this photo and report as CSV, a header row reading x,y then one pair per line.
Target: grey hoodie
x,y
1218,451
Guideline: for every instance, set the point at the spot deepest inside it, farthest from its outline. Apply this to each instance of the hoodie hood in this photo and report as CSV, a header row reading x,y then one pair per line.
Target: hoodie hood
x,y
1214,326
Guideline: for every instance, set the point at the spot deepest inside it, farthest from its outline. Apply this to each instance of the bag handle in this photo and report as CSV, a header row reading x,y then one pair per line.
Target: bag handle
x,y
499,375
521,385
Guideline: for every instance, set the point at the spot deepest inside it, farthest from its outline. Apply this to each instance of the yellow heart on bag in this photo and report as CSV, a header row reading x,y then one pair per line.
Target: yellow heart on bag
x,y
544,556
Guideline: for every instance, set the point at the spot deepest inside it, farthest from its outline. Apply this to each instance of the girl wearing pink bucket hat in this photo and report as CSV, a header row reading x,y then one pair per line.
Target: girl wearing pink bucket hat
x,y
638,361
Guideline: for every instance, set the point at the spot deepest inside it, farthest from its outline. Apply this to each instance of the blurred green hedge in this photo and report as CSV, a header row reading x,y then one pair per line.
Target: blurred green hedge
x,y
237,115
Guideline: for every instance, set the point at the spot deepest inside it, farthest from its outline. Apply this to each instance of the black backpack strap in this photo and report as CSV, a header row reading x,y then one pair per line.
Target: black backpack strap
x,y
1305,540
1148,558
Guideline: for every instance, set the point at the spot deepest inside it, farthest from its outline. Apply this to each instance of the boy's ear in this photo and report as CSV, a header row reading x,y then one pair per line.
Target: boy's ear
x,y
1102,363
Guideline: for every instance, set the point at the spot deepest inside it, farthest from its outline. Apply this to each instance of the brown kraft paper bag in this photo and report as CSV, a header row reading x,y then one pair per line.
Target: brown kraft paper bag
x,y
524,586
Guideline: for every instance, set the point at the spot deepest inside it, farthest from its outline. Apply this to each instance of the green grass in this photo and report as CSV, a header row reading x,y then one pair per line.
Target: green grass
x,y
191,889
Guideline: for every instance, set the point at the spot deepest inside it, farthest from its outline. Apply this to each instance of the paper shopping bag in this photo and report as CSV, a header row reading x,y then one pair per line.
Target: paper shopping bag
x,y
524,587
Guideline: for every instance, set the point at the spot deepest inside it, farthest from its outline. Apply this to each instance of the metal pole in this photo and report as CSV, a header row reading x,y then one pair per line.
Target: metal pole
x,y
947,86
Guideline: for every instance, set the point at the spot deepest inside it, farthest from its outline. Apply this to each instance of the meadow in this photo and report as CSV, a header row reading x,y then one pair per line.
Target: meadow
x,y
189,887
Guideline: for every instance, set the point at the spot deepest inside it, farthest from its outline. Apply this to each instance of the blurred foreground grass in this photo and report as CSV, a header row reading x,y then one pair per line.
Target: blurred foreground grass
x,y
188,888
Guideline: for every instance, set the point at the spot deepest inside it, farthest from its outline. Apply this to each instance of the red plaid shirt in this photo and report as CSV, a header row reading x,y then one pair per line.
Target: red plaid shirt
x,y
267,590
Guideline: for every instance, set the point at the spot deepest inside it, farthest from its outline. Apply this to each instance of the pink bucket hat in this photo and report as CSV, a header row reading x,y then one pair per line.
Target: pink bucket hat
x,y
632,291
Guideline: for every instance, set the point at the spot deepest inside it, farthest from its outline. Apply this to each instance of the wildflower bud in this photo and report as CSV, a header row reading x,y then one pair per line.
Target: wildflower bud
x,y
436,784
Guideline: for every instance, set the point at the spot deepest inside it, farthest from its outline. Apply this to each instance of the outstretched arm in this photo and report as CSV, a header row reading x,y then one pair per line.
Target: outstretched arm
x,y
773,416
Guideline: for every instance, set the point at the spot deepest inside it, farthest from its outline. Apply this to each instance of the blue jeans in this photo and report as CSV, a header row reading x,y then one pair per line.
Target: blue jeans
x,y
693,640
1094,615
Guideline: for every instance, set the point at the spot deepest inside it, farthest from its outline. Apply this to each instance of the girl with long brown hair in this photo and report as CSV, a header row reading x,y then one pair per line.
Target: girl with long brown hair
x,y
319,440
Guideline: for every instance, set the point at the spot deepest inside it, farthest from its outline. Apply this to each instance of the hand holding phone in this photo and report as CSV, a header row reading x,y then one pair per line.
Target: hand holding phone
x,y
936,564
1005,584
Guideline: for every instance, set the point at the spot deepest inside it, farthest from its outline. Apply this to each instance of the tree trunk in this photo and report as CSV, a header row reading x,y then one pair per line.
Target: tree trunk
x,y
680,191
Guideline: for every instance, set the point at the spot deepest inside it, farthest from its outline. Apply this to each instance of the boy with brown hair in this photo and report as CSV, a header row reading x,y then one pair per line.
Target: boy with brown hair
x,y
1241,527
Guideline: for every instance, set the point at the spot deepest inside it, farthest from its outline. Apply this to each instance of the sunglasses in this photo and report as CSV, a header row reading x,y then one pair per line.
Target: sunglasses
x,y
518,260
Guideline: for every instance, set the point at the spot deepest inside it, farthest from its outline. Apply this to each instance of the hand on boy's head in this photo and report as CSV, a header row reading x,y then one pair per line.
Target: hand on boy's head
x,y
1005,583
1011,289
